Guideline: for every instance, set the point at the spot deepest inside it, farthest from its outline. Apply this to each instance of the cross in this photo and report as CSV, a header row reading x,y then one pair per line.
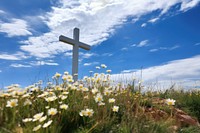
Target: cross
x,y
76,44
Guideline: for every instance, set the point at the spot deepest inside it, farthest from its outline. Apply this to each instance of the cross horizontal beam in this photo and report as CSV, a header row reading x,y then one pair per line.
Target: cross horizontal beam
x,y
72,42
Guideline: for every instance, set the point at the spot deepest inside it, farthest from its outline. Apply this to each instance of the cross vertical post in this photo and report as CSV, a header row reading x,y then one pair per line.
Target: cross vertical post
x,y
75,54
76,45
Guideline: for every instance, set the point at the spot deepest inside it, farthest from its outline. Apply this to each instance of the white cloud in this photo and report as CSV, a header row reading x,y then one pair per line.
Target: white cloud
x,y
16,27
2,12
19,65
0,71
141,44
164,48
41,63
107,54
86,55
91,63
144,25
153,20
124,49
16,56
178,70
197,44
186,5
96,19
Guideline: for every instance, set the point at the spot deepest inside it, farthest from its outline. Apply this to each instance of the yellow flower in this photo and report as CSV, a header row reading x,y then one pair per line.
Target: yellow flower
x,y
47,124
111,100
36,117
36,128
12,103
170,101
64,106
115,108
52,111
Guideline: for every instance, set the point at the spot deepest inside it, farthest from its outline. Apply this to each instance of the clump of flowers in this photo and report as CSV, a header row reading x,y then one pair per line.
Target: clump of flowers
x,y
87,112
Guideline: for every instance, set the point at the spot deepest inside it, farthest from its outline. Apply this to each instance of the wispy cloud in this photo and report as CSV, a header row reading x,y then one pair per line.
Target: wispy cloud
x,y
170,71
153,20
164,48
124,49
186,5
197,44
141,44
0,71
16,56
16,27
144,25
93,18
19,65
107,54
42,63
91,63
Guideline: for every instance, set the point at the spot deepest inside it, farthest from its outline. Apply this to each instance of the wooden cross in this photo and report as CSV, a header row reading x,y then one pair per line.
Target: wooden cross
x,y
76,44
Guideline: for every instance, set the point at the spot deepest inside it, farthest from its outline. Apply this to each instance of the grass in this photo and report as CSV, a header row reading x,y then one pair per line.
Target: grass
x,y
94,105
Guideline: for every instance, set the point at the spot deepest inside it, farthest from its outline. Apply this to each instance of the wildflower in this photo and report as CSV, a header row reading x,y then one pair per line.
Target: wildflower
x,y
95,90
52,111
107,92
50,99
43,118
27,120
170,102
63,97
66,73
36,117
64,106
82,113
47,124
86,97
27,102
89,112
64,77
101,103
111,100
65,93
12,103
115,108
97,67
103,66
99,97
81,86
34,89
36,128
85,89
108,71
57,75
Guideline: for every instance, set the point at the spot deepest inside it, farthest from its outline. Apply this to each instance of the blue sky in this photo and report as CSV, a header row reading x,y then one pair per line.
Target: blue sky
x,y
161,37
